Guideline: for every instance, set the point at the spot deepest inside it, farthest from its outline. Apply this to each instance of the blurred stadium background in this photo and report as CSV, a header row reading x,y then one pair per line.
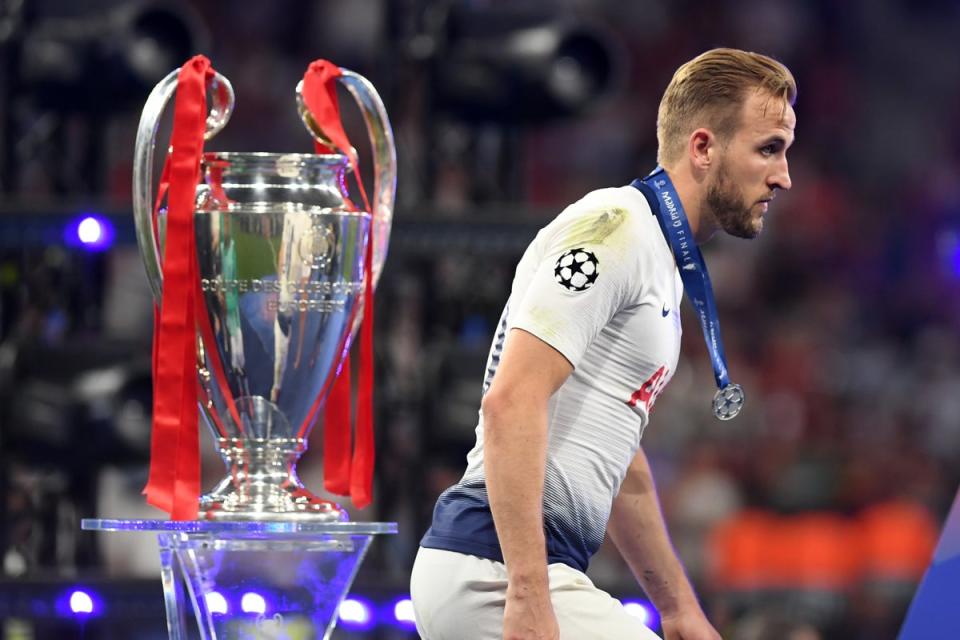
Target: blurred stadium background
x,y
811,516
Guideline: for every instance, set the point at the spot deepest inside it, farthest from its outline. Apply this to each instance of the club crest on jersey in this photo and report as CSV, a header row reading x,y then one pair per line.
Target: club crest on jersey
x,y
577,269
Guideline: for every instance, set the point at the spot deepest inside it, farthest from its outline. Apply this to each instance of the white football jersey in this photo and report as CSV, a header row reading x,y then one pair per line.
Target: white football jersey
x,y
600,285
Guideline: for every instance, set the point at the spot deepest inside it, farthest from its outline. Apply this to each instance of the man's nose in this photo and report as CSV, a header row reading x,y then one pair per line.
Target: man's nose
x,y
780,179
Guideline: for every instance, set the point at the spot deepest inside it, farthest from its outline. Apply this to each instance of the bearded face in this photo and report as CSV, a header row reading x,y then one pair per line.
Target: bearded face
x,y
727,205
750,166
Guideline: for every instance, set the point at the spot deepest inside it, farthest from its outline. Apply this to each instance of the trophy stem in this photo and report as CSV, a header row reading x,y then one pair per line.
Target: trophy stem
x,y
262,484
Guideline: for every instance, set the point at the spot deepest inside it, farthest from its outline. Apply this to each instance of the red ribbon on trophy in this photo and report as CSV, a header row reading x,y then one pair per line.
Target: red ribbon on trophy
x,y
174,480
343,474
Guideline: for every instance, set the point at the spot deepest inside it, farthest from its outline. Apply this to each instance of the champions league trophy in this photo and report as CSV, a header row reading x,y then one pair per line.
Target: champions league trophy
x,y
280,259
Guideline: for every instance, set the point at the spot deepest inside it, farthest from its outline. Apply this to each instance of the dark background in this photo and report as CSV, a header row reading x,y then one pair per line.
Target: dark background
x,y
812,515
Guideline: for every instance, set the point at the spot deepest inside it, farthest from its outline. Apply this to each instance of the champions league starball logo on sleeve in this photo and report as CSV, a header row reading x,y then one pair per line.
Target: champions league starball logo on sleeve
x,y
577,269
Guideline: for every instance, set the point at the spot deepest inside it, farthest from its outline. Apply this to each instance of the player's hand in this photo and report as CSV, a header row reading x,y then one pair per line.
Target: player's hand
x,y
528,615
688,626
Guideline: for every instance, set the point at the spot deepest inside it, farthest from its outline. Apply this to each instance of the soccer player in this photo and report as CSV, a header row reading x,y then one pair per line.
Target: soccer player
x,y
589,337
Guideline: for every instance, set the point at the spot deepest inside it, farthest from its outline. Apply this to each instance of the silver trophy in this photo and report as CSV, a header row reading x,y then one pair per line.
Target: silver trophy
x,y
280,257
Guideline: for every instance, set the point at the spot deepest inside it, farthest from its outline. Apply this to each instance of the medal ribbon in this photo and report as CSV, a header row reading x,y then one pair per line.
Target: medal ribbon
x,y
693,269
174,481
343,475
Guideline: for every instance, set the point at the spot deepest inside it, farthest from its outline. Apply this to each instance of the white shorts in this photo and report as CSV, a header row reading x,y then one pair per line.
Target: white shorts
x,y
461,597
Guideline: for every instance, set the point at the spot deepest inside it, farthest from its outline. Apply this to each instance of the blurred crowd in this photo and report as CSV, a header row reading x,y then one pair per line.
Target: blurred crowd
x,y
814,514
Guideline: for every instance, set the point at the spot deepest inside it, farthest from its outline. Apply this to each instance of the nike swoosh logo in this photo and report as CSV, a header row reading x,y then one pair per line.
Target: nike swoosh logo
x,y
665,312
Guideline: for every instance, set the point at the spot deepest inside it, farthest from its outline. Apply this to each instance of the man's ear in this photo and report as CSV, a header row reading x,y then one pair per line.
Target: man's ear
x,y
700,148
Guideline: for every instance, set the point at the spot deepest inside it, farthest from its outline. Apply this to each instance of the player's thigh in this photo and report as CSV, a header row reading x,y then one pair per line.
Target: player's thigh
x,y
457,596
585,612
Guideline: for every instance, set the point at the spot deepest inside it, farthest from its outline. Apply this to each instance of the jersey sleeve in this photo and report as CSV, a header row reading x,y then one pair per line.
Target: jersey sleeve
x,y
587,268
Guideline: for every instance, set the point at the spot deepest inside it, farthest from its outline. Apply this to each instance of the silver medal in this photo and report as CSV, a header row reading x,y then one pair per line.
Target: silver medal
x,y
728,401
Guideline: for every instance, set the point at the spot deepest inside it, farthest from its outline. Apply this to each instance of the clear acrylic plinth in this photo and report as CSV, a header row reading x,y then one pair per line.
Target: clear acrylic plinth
x,y
254,580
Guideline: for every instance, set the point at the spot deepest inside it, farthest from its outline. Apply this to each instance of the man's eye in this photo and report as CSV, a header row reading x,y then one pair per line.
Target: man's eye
x,y
768,150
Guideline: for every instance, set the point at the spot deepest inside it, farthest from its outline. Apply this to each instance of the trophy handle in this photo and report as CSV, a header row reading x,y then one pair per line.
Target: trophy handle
x,y
222,101
384,157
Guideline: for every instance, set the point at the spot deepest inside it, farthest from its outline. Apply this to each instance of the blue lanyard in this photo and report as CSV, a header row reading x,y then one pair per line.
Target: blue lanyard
x,y
696,281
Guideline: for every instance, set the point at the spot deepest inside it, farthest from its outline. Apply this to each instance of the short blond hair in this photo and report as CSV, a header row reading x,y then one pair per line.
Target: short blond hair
x,y
709,91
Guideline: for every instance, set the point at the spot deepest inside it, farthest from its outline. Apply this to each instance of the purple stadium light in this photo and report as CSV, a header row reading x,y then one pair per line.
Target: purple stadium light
x,y
948,248
253,603
356,614
217,604
81,603
91,232
403,611
642,610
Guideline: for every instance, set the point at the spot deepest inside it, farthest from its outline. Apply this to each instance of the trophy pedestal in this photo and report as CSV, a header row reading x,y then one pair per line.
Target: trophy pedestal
x,y
227,580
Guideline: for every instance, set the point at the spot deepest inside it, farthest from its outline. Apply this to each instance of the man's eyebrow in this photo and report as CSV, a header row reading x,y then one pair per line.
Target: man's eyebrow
x,y
777,139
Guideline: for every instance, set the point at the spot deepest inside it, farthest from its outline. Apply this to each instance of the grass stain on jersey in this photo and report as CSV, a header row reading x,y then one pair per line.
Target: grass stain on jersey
x,y
595,229
549,325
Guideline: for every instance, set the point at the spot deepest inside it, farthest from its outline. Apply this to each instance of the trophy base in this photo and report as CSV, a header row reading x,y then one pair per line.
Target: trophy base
x,y
254,580
268,503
